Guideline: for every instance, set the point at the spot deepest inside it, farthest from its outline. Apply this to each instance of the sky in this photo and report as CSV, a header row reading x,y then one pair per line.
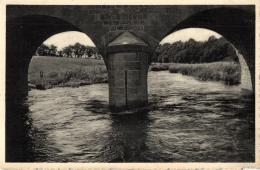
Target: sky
x,y
64,39
198,34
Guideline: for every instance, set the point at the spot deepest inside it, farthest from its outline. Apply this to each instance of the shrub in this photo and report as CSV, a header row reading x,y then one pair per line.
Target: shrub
x,y
228,72
159,67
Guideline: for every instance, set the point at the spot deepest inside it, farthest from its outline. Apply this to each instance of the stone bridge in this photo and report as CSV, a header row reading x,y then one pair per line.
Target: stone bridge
x,y
28,26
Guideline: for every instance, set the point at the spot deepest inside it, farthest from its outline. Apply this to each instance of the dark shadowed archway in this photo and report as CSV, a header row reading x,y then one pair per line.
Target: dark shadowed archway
x,y
23,36
236,25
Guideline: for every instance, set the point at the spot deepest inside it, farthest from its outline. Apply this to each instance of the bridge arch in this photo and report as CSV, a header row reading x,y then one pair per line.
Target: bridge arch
x,y
236,25
200,35
24,35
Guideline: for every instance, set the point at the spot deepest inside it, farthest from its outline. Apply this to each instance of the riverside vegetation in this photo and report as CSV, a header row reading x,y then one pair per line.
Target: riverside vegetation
x,y
227,72
214,59
71,72
65,72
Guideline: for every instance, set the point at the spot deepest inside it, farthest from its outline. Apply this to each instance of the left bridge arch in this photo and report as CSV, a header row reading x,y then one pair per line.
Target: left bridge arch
x,y
23,36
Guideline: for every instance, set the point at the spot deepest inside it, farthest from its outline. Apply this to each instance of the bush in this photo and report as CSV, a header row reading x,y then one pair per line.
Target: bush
x,y
159,67
228,72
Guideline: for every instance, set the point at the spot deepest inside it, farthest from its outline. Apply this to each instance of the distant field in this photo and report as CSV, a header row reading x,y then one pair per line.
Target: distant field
x,y
59,71
227,72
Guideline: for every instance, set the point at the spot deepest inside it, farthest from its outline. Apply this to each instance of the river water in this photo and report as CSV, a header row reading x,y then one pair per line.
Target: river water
x,y
186,121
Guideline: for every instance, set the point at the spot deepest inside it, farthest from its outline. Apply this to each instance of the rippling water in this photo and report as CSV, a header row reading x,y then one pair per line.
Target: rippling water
x,y
186,120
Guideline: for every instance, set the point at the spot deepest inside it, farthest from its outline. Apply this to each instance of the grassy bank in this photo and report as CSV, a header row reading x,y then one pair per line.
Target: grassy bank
x,y
64,72
159,66
227,72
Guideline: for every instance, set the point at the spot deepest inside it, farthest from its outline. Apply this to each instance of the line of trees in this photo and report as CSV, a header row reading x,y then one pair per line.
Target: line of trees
x,y
72,51
191,51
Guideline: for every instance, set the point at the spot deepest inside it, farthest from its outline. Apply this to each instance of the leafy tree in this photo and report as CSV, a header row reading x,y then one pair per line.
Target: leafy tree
x,y
191,51
45,50
42,50
53,50
67,51
74,51
78,51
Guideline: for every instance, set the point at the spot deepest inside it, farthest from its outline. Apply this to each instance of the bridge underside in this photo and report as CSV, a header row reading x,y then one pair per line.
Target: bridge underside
x,y
26,32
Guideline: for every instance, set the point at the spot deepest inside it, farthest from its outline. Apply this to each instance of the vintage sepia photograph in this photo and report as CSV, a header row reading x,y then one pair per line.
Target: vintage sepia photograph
x,y
130,83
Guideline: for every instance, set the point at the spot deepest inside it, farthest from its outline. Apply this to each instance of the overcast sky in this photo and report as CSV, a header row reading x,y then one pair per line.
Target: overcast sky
x,y
197,34
64,39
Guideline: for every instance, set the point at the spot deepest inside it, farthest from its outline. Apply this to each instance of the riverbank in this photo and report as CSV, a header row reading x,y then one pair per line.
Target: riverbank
x,y
48,72
227,72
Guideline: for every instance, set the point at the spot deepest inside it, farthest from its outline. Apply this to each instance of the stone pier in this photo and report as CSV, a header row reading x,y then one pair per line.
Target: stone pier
x,y
128,60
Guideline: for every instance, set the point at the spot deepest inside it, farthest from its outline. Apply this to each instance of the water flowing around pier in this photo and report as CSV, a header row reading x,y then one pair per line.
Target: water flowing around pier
x,y
186,120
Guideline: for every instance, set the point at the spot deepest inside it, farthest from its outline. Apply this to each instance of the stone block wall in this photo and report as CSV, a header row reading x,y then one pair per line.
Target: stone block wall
x,y
128,79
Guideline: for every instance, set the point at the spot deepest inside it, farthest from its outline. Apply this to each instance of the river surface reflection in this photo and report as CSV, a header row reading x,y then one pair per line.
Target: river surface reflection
x,y
186,120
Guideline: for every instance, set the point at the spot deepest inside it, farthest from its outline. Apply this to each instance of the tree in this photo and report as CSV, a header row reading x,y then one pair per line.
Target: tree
x,y
53,50
79,50
45,50
67,51
191,51
90,51
42,50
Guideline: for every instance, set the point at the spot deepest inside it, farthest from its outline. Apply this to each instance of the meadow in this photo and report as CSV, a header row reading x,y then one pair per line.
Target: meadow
x,y
65,72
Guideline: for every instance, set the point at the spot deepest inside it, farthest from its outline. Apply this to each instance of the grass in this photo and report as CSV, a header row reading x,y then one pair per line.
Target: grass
x,y
71,72
159,66
227,72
